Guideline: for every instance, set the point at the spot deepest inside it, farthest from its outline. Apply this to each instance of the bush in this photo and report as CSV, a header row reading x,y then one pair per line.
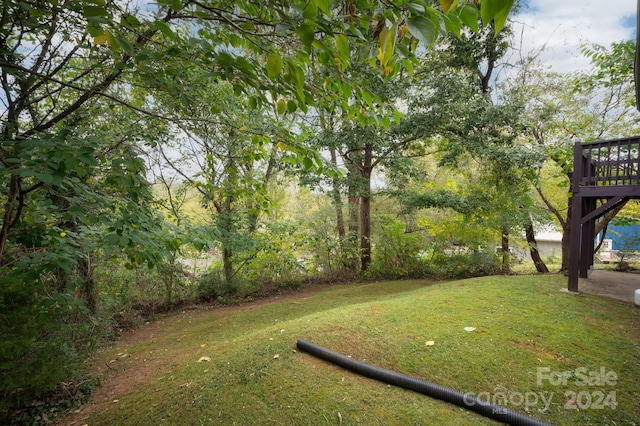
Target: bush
x,y
462,265
124,290
212,285
45,338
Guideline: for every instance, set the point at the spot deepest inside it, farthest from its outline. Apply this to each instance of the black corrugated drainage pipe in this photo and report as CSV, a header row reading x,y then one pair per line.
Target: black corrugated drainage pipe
x,y
485,408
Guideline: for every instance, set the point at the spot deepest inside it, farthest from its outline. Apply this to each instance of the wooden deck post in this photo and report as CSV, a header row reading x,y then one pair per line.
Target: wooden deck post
x,y
574,242
575,227
587,253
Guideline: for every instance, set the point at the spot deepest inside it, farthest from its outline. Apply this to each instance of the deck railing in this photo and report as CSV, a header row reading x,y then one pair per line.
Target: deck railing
x,y
607,163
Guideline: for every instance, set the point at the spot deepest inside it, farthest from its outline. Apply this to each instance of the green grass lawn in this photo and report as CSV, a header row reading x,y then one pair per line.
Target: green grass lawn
x,y
530,342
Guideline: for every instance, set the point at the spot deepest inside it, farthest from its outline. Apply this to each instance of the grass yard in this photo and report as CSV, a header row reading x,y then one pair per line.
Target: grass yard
x,y
541,351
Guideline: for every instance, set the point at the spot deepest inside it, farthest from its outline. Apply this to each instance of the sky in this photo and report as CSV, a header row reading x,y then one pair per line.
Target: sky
x,y
564,25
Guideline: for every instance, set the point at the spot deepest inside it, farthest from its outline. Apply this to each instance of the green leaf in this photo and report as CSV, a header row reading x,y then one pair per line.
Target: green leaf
x,y
362,119
408,65
274,65
124,44
298,78
165,29
501,17
225,59
129,21
282,106
325,6
417,8
283,27
469,16
368,99
307,162
46,178
88,160
310,10
112,239
94,29
452,24
397,116
93,11
422,28
71,163
496,10
342,43
306,33
404,50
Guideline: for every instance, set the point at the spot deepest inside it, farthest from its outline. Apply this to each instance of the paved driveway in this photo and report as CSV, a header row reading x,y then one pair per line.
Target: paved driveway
x,y
611,284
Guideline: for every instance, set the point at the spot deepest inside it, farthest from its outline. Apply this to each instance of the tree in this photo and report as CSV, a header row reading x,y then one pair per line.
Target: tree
x,y
51,84
71,69
228,152
474,127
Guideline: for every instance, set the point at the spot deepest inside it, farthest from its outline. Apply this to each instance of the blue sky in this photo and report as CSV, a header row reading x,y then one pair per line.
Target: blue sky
x,y
562,26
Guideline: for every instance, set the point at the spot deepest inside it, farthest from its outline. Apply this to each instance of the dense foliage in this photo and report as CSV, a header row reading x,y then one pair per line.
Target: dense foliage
x,y
159,154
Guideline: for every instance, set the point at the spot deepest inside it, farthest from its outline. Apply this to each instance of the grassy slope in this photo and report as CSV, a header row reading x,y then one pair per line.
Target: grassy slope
x,y
522,323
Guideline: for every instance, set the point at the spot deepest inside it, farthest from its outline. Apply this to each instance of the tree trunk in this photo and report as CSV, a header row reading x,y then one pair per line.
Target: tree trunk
x,y
506,255
365,210
533,248
353,225
10,216
353,232
337,201
89,292
227,265
169,271
365,233
226,225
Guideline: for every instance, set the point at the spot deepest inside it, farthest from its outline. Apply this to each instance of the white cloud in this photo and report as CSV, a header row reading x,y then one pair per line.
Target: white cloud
x,y
564,26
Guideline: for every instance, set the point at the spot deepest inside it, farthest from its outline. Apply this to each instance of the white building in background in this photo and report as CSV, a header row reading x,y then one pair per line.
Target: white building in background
x,y
549,245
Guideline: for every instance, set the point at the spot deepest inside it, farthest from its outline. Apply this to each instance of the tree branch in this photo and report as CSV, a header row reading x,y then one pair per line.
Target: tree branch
x,y
551,208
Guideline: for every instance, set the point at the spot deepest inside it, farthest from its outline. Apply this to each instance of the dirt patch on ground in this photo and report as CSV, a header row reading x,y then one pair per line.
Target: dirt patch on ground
x,y
128,371
541,353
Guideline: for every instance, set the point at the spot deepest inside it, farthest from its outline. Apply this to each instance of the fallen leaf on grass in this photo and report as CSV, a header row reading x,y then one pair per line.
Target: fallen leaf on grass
x,y
204,358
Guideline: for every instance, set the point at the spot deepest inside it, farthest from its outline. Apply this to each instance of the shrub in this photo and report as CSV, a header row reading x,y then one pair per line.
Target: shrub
x,y
461,265
395,250
212,285
45,337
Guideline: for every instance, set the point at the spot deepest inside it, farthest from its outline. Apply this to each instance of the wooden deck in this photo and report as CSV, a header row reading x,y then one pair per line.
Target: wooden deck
x,y
605,174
